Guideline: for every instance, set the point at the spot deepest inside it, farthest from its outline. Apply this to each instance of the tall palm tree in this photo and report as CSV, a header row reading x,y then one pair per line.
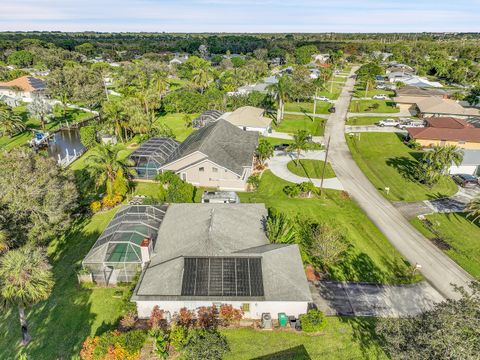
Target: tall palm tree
x,y
25,279
10,123
442,157
201,78
300,141
264,151
111,168
113,112
473,209
280,92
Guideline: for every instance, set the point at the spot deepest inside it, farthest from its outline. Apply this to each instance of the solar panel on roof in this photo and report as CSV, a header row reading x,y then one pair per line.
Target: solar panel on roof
x,y
222,276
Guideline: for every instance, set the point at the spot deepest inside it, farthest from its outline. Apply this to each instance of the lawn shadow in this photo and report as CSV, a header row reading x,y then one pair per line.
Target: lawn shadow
x,y
364,333
298,353
405,166
360,267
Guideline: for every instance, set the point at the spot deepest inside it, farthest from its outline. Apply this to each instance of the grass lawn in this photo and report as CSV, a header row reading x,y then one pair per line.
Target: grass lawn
x,y
365,120
371,257
276,141
360,92
292,123
176,122
60,324
310,168
368,106
460,239
322,107
72,115
342,338
387,162
334,94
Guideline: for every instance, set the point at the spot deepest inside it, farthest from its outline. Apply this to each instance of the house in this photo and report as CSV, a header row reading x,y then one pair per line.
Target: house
x,y
321,58
470,164
219,155
439,106
206,118
412,80
249,118
446,131
213,254
411,95
382,56
24,88
178,60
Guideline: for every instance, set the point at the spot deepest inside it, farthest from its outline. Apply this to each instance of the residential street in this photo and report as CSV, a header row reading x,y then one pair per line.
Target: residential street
x,y
439,270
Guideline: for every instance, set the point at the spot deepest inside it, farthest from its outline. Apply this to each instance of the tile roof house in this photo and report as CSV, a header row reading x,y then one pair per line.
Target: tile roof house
x,y
23,88
209,254
249,118
447,131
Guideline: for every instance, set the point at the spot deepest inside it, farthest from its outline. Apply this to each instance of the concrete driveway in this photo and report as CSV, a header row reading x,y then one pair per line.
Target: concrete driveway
x,y
438,269
373,128
278,165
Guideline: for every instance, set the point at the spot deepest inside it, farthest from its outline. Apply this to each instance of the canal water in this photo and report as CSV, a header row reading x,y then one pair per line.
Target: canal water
x,y
65,142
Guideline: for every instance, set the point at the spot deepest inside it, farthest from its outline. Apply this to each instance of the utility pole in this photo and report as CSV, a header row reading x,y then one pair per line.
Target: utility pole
x,y
315,103
324,166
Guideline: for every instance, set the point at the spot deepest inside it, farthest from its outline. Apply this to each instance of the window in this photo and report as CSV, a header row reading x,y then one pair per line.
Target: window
x,y
202,169
461,141
214,169
245,307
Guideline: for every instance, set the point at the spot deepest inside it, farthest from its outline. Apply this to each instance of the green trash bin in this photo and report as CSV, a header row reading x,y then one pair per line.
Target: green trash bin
x,y
282,319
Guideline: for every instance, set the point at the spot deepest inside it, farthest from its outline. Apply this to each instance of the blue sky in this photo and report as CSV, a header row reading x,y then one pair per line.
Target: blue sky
x,y
241,15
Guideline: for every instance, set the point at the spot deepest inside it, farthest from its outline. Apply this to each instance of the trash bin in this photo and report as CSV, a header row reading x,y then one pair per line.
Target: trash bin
x,y
282,319
292,320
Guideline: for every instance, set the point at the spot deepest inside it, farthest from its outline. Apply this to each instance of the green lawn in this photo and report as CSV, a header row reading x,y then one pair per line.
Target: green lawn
x,y
336,89
176,122
371,257
360,92
60,324
368,106
292,123
310,168
343,338
387,162
366,120
22,138
462,239
276,141
322,107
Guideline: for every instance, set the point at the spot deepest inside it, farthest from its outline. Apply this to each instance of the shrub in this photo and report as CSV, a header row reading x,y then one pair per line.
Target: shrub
x,y
202,344
207,317
185,318
313,321
128,320
156,318
229,315
254,181
110,201
178,337
88,136
178,191
96,206
113,345
292,190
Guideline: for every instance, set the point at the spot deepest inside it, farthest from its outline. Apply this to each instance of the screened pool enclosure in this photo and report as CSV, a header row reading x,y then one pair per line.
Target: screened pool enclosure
x,y
125,245
151,155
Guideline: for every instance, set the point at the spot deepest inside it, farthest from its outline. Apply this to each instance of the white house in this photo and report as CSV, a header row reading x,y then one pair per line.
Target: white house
x,y
213,254
321,58
249,118
23,88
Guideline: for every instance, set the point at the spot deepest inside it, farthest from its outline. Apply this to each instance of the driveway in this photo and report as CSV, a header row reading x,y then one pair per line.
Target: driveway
x,y
437,268
373,128
278,165
360,299
402,113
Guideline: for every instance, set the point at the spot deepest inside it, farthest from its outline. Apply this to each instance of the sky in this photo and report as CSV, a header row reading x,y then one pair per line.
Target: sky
x,y
241,15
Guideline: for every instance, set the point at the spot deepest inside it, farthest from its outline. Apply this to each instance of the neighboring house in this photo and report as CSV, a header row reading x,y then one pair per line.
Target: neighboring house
x,y
23,88
218,155
249,118
213,254
178,60
437,106
412,80
260,87
207,117
446,131
382,56
470,164
321,58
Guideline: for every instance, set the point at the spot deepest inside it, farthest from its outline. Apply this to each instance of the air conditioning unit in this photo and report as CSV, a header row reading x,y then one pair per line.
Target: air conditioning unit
x,y
267,321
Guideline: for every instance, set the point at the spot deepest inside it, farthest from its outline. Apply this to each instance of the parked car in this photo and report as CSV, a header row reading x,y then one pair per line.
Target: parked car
x,y
281,147
332,109
322,98
411,124
380,97
389,122
381,86
465,180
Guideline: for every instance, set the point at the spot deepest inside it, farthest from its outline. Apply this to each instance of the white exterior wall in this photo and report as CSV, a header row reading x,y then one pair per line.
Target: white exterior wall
x,y
262,130
470,170
25,96
295,308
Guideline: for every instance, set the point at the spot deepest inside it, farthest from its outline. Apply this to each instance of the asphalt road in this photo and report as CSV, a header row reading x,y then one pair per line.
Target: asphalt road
x,y
437,268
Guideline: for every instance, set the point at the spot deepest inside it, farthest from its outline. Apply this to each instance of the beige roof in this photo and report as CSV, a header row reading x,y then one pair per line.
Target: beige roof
x,y
437,105
248,116
408,99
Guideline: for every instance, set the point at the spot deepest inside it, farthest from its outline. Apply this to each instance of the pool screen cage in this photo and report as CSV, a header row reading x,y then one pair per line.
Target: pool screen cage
x,y
117,255
151,155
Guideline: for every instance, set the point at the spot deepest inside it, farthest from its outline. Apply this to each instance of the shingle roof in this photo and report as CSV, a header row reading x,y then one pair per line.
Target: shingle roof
x,y
418,91
437,105
248,116
26,83
223,143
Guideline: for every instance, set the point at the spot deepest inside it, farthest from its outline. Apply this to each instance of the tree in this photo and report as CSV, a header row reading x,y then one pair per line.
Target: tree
x,y
303,54
280,228
21,58
448,331
300,142
88,136
111,168
25,279
178,191
37,197
473,209
204,344
114,115
10,123
201,78
254,181
438,161
473,97
280,91
261,54
40,109
328,245
264,151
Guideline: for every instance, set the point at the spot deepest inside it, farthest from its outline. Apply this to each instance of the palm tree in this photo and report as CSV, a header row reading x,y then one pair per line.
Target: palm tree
x,y
280,92
442,157
280,228
473,209
112,111
264,151
300,141
10,123
201,78
111,168
25,279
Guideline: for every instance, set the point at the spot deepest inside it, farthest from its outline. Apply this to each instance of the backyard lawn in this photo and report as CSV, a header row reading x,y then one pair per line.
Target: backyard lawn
x,y
176,122
307,107
387,162
310,168
342,338
373,106
292,123
371,257
456,236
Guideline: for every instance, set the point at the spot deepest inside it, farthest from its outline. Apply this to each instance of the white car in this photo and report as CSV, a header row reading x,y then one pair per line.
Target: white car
x,y
411,124
322,98
380,97
389,122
